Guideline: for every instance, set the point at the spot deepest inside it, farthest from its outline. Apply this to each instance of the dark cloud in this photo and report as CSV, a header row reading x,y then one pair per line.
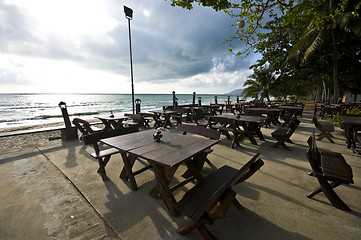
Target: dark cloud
x,y
168,43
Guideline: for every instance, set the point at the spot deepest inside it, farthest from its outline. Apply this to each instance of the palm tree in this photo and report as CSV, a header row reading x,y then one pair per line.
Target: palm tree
x,y
317,35
259,84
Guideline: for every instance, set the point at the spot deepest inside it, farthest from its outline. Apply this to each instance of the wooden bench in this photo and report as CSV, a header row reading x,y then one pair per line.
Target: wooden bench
x,y
210,199
286,117
103,156
331,170
85,127
325,128
283,135
134,120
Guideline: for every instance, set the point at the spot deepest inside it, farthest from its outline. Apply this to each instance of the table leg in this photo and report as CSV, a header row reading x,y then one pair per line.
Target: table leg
x,y
123,173
108,127
146,123
163,188
116,124
196,166
348,136
168,173
193,169
277,121
259,134
167,121
128,163
255,128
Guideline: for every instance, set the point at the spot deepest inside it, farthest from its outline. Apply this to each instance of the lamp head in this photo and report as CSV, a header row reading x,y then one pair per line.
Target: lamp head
x,y
240,24
62,105
128,12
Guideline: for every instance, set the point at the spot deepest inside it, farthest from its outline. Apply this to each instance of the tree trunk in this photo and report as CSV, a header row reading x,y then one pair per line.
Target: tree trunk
x,y
335,67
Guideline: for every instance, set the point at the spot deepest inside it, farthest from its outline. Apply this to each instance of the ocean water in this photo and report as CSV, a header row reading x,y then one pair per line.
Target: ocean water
x,y
34,109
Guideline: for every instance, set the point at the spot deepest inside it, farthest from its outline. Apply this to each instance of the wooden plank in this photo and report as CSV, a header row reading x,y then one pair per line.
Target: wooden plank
x,y
195,201
174,147
105,153
206,132
174,152
136,140
128,142
334,167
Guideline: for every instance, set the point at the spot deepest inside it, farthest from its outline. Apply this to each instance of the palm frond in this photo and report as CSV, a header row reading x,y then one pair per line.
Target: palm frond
x,y
303,43
316,44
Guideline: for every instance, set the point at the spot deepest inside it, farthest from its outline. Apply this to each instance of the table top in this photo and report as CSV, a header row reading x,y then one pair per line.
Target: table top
x,y
351,119
172,149
108,118
265,109
291,107
245,118
164,112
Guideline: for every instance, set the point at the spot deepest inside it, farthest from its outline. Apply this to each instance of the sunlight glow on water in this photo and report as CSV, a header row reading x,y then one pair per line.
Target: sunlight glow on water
x,y
33,109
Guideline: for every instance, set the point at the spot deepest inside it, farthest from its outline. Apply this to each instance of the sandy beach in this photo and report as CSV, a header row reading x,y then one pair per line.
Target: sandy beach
x,y
26,141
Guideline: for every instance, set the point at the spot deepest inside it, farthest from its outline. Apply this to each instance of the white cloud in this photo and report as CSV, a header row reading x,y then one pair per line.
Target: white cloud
x,y
147,13
63,42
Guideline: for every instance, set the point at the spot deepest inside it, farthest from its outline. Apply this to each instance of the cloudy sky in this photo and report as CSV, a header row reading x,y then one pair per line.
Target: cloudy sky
x,y
82,46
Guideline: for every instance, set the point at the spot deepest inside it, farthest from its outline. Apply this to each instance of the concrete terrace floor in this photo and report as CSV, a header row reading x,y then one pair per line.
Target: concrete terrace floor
x,y
54,192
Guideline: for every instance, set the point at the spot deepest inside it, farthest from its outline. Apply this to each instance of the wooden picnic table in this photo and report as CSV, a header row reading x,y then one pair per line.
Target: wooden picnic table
x,y
112,123
167,115
251,124
270,112
292,109
164,157
351,124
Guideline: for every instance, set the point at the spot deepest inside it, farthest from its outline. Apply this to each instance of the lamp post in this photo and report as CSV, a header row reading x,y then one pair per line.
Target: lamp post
x,y
64,112
129,15
69,132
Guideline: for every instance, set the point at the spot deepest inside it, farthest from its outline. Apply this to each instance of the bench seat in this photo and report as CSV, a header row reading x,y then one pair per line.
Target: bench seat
x,y
331,170
283,134
104,153
211,198
195,200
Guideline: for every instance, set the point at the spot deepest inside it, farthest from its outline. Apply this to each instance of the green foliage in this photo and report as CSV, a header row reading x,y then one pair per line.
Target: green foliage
x,y
336,118
354,111
260,84
304,43
215,4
